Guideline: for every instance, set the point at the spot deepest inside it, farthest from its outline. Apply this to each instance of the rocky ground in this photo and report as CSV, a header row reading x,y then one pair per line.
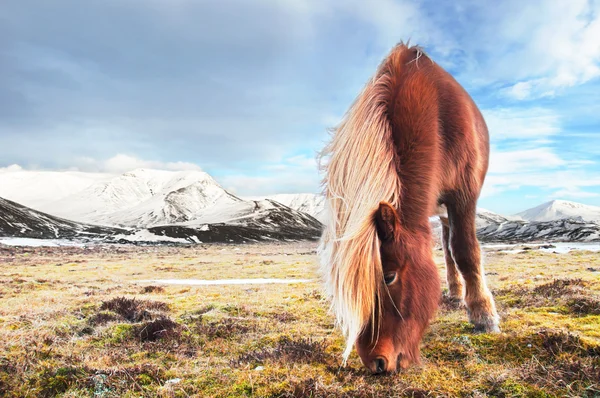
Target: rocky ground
x,y
85,321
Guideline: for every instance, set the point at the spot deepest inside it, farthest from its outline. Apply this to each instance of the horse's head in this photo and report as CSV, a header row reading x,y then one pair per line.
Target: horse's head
x,y
407,299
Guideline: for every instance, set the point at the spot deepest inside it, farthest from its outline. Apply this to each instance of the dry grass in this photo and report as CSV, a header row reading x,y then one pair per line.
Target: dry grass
x,y
74,322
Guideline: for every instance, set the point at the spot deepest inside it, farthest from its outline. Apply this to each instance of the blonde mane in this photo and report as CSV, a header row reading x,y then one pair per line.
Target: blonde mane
x,y
359,174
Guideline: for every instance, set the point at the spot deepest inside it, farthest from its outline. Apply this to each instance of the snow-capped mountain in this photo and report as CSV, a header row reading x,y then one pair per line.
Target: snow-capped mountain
x,y
19,221
139,198
190,206
246,221
492,227
562,209
309,203
251,221
148,206
144,198
486,217
191,203
314,204
36,189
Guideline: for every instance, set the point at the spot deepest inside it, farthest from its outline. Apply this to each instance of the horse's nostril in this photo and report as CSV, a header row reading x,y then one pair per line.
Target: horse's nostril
x,y
379,365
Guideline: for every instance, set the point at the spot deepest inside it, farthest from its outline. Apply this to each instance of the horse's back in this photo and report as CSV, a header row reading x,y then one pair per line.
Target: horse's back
x,y
440,135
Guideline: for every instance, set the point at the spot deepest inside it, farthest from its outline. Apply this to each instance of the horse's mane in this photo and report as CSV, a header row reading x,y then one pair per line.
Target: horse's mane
x,y
360,172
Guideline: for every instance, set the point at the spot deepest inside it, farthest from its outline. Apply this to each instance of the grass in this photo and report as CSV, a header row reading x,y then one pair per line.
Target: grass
x,y
77,322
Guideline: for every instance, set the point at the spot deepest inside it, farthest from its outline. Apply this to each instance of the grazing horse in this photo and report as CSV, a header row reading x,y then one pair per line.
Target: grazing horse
x,y
412,145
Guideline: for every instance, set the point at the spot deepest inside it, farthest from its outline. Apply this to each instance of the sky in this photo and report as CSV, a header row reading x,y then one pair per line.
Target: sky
x,y
246,90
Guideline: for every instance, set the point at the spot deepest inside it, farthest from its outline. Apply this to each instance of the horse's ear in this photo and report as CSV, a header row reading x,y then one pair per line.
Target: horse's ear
x,y
386,221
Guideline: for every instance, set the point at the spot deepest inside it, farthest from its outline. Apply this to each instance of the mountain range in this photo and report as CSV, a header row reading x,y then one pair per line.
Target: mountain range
x,y
190,206
19,221
146,206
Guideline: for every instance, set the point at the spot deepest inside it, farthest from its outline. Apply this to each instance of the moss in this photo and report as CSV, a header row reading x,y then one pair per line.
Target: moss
x,y
144,379
546,348
50,381
119,333
514,388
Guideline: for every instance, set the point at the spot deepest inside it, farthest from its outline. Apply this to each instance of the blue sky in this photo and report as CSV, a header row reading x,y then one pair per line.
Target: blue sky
x,y
246,90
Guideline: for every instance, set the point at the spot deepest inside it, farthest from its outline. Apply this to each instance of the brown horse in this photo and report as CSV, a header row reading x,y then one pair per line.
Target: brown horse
x,y
412,144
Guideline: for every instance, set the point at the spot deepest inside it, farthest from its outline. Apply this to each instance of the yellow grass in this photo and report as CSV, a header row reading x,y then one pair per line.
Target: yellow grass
x,y
57,338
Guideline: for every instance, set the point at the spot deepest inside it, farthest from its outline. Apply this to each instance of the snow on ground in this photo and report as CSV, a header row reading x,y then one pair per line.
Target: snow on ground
x,y
205,282
565,247
554,247
144,235
32,242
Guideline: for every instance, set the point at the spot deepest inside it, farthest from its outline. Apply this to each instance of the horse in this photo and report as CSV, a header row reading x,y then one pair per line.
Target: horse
x,y
411,146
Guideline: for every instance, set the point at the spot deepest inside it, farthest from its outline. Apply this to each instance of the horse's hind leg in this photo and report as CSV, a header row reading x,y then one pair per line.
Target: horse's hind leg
x,y
453,278
467,256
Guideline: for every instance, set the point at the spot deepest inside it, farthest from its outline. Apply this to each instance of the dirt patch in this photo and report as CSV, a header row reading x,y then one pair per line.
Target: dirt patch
x,y
133,310
448,303
571,374
283,317
352,388
584,305
286,350
570,295
559,288
103,317
225,328
152,289
157,329
559,342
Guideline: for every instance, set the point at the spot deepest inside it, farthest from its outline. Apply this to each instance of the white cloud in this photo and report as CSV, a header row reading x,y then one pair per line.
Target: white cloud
x,y
520,91
117,164
573,192
296,174
524,160
11,168
563,49
521,124
564,181
542,167
534,49
122,163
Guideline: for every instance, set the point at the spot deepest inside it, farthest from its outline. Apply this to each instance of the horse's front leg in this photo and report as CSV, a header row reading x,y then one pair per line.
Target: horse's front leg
x,y
466,253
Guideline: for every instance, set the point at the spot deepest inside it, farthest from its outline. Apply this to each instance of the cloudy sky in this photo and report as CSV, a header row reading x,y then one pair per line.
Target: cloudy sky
x,y
245,90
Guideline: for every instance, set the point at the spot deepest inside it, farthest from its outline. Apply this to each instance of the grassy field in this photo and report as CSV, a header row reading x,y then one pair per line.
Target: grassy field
x,y
77,322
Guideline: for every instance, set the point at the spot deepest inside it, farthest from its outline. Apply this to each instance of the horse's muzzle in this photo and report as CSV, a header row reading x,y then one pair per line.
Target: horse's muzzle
x,y
379,365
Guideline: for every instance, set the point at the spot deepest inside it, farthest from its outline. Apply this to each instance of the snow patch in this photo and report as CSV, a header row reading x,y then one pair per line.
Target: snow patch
x,y
554,247
33,242
144,235
205,282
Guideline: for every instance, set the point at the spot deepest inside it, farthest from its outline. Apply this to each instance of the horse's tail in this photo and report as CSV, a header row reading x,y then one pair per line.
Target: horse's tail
x,y
360,172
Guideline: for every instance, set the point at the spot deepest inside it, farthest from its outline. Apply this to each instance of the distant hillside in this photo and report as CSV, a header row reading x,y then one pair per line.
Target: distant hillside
x,y
564,230
19,221
249,221
147,205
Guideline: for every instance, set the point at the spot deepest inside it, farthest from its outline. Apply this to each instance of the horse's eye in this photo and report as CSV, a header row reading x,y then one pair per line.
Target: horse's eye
x,y
389,278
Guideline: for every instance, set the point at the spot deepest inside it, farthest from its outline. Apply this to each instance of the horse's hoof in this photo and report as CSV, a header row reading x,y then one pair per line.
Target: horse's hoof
x,y
487,328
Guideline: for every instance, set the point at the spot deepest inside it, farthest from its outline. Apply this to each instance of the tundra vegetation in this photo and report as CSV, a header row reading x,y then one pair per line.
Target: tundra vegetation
x,y
78,322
